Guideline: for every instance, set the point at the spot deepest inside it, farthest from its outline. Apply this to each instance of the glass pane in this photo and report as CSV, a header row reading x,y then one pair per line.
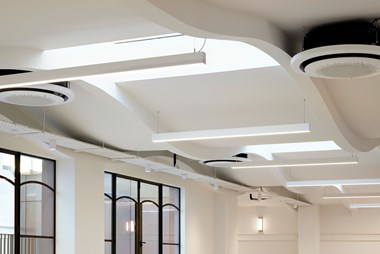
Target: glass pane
x,y
107,218
6,243
125,226
36,246
37,169
149,192
108,184
170,249
7,169
150,228
36,210
107,248
170,195
7,166
127,188
170,224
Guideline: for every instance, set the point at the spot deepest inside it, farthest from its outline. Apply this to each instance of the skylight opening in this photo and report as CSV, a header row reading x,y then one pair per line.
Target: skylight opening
x,y
221,55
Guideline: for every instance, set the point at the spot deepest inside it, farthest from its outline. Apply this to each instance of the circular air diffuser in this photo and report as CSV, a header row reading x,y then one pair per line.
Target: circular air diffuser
x,y
339,61
38,95
226,162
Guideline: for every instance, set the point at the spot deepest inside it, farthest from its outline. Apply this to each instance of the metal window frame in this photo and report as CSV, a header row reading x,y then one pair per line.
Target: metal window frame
x,y
17,199
138,238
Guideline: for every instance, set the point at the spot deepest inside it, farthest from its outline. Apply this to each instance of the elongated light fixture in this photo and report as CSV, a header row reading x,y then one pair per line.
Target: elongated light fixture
x,y
295,163
99,70
260,224
365,205
232,133
352,196
325,183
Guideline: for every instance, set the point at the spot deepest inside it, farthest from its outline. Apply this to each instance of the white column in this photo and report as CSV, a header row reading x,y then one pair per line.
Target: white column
x,y
308,230
65,206
89,203
225,223
80,205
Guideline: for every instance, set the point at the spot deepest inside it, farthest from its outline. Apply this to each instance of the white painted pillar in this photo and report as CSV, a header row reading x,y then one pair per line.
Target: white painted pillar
x,y
65,206
308,230
89,203
80,205
225,223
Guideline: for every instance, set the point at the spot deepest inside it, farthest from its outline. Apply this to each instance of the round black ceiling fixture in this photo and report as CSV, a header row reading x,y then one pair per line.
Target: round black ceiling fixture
x,y
340,50
37,95
226,162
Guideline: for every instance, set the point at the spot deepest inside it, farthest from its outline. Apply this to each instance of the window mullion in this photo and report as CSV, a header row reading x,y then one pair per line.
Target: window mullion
x,y
160,232
17,205
113,220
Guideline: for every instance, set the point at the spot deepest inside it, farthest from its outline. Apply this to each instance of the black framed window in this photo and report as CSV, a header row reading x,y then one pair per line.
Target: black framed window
x,y
27,218
140,216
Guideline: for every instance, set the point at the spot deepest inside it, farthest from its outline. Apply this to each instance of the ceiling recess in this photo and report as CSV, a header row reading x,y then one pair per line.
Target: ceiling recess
x,y
340,50
35,96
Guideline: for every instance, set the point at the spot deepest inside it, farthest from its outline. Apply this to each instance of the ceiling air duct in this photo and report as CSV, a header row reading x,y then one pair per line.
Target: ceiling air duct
x,y
340,50
35,96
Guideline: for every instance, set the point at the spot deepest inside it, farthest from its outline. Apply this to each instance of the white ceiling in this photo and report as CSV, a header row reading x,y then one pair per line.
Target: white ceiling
x,y
45,24
298,15
125,116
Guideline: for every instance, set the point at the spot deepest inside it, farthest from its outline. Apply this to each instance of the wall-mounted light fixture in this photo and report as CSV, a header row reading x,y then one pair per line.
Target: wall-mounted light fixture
x,y
130,226
260,224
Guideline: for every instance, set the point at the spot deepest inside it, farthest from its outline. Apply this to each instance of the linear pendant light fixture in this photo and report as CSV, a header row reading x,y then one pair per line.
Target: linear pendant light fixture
x,y
99,70
365,205
325,183
296,163
352,196
232,133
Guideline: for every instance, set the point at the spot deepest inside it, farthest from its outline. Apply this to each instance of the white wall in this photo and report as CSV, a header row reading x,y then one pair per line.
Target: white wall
x,y
279,235
341,231
349,232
